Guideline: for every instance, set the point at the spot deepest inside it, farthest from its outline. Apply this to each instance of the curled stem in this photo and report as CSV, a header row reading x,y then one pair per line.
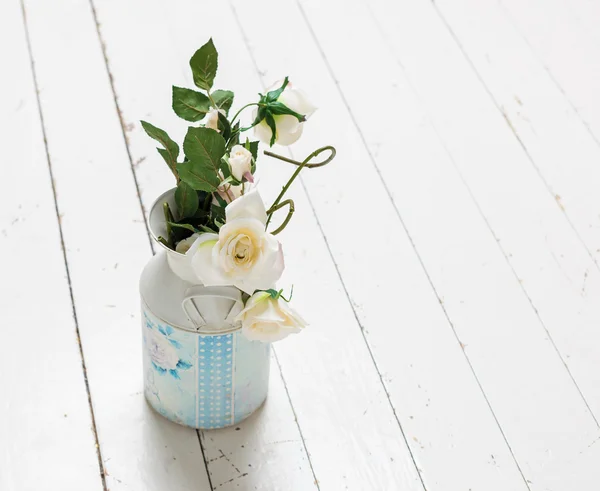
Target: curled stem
x,y
301,165
291,209
311,156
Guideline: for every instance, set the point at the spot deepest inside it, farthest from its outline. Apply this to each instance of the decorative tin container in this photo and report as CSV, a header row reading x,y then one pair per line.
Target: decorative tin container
x,y
199,370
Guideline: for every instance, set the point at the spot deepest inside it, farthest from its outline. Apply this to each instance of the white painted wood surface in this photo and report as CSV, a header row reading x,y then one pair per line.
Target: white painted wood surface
x,y
529,229
44,410
447,259
565,38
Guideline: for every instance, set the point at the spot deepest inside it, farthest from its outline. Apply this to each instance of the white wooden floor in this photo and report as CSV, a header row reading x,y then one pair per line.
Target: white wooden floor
x,y
448,260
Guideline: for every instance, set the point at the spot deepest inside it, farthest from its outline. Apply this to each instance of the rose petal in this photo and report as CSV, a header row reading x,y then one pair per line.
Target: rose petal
x,y
202,262
289,129
249,205
266,271
297,101
263,132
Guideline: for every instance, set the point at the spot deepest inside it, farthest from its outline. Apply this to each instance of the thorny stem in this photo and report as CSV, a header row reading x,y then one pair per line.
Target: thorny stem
x,y
291,210
301,165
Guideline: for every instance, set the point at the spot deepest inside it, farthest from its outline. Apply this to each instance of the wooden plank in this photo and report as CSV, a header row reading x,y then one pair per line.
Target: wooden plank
x,y
106,246
45,417
565,38
501,334
352,436
567,158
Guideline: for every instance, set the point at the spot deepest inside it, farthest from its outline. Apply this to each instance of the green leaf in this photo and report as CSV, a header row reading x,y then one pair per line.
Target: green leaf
x,y
271,122
234,139
253,147
225,168
260,115
223,99
274,293
204,148
180,231
186,226
196,230
224,126
218,214
198,177
206,229
201,214
278,108
204,65
171,149
222,203
186,199
189,104
273,95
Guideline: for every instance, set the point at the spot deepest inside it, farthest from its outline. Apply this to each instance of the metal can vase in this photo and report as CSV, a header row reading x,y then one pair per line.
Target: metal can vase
x,y
199,369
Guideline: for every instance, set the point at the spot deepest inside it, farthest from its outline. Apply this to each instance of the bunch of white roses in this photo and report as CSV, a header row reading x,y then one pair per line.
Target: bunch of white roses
x,y
220,223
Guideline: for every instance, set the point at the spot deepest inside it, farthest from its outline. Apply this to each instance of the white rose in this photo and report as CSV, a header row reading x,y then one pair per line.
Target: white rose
x,y
243,254
212,119
267,319
289,129
160,350
184,245
240,161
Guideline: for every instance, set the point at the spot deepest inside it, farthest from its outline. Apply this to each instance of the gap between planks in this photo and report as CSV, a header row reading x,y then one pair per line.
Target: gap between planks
x,y
62,246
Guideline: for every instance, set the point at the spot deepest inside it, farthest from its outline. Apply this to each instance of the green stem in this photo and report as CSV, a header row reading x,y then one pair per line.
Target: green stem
x,y
314,154
162,240
291,210
238,113
301,165
168,218
212,101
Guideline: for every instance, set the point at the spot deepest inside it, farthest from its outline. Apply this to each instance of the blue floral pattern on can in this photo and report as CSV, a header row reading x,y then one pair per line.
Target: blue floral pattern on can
x,y
162,349
202,381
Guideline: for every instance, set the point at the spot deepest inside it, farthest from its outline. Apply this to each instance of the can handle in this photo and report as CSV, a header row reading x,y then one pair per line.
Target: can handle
x,y
194,314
